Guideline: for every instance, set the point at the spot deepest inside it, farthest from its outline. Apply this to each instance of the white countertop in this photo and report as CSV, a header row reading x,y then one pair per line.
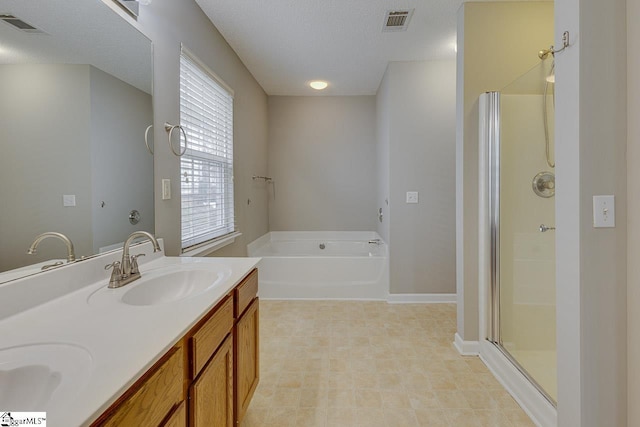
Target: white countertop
x,y
108,343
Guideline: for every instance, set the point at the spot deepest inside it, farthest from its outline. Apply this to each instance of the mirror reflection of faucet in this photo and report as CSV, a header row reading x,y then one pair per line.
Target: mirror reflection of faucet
x,y
71,255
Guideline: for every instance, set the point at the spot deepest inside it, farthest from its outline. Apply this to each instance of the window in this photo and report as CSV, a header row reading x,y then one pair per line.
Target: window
x,y
206,168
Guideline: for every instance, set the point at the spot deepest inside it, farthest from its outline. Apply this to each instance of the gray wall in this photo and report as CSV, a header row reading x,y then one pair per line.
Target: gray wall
x,y
322,156
66,132
591,131
416,137
38,165
121,166
383,120
168,23
633,218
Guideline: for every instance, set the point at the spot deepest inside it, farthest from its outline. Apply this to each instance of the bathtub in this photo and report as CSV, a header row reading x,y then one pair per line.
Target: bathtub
x,y
321,265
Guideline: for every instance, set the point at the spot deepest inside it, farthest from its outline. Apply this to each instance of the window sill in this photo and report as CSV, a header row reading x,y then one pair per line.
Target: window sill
x,y
205,250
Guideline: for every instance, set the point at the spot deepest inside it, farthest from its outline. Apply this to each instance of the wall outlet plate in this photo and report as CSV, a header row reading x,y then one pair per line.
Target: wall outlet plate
x,y
412,197
166,189
604,211
68,200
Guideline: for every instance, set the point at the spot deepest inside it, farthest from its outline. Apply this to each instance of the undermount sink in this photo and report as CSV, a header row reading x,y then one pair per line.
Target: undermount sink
x,y
36,377
161,285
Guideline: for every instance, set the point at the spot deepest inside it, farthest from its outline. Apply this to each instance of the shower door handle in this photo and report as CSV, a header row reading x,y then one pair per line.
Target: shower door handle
x,y
544,228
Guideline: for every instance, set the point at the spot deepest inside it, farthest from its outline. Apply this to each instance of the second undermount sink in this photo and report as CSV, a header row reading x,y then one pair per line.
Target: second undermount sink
x,y
38,377
169,287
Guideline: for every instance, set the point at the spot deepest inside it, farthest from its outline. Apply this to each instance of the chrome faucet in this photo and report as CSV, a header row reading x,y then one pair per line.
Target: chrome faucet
x,y
375,242
127,271
71,256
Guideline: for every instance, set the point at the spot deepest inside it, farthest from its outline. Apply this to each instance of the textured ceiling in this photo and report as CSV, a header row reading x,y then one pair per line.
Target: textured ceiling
x,y
287,43
77,32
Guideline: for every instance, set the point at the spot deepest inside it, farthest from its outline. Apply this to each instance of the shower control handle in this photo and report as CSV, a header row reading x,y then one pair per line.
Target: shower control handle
x,y
544,228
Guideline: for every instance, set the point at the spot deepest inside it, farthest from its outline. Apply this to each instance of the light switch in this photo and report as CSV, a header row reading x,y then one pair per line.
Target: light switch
x,y
68,200
604,212
166,189
412,197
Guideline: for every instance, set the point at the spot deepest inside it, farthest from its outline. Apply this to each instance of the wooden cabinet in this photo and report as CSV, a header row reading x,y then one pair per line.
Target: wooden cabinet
x,y
247,358
211,394
150,400
211,391
215,366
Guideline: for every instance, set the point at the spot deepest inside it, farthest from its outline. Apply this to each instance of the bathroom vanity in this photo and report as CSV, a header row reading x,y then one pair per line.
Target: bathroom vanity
x,y
177,347
214,367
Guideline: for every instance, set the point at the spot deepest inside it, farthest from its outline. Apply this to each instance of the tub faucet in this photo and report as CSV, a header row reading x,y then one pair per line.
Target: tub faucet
x,y
71,256
375,242
127,271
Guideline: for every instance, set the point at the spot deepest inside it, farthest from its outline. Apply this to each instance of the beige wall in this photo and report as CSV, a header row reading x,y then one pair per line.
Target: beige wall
x,y
416,133
322,157
497,42
169,23
633,219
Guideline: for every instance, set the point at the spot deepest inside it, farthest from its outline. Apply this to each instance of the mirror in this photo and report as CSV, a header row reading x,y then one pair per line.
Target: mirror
x,y
76,86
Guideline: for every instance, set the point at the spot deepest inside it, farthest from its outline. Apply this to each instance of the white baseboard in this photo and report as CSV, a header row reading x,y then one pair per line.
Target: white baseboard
x,y
421,298
466,348
539,409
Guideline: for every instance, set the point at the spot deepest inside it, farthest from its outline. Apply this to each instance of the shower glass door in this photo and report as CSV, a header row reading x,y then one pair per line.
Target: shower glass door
x,y
524,243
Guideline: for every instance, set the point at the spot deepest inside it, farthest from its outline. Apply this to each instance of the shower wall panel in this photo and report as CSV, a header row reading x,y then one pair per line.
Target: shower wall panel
x,y
527,256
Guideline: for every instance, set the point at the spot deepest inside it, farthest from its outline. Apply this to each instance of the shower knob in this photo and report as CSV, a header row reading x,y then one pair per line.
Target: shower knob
x,y
544,228
544,184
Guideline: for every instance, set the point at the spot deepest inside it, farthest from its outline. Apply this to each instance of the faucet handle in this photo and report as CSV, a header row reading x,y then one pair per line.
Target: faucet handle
x,y
116,274
134,263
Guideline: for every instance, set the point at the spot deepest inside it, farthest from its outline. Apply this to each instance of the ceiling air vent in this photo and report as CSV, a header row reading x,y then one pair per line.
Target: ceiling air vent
x,y
19,24
397,20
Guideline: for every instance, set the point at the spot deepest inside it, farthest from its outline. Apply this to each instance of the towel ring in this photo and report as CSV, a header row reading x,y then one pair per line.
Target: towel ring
x,y
170,128
146,139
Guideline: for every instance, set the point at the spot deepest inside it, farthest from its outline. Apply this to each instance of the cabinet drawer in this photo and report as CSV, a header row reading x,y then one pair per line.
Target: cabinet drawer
x,y
246,292
210,335
154,397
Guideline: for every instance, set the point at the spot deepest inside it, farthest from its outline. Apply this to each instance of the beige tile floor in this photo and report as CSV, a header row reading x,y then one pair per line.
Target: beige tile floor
x,y
360,363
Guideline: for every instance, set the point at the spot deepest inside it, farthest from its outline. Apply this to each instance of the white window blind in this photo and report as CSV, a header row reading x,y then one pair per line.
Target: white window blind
x,y
206,114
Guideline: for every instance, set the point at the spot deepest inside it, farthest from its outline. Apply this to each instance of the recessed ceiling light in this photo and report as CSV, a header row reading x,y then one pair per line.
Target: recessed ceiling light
x,y
319,85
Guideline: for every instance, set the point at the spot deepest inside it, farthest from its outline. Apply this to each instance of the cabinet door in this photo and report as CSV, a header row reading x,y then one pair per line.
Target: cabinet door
x,y
247,358
152,397
178,418
211,395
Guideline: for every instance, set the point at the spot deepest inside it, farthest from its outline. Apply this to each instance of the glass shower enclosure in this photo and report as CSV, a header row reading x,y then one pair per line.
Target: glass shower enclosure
x,y
521,203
